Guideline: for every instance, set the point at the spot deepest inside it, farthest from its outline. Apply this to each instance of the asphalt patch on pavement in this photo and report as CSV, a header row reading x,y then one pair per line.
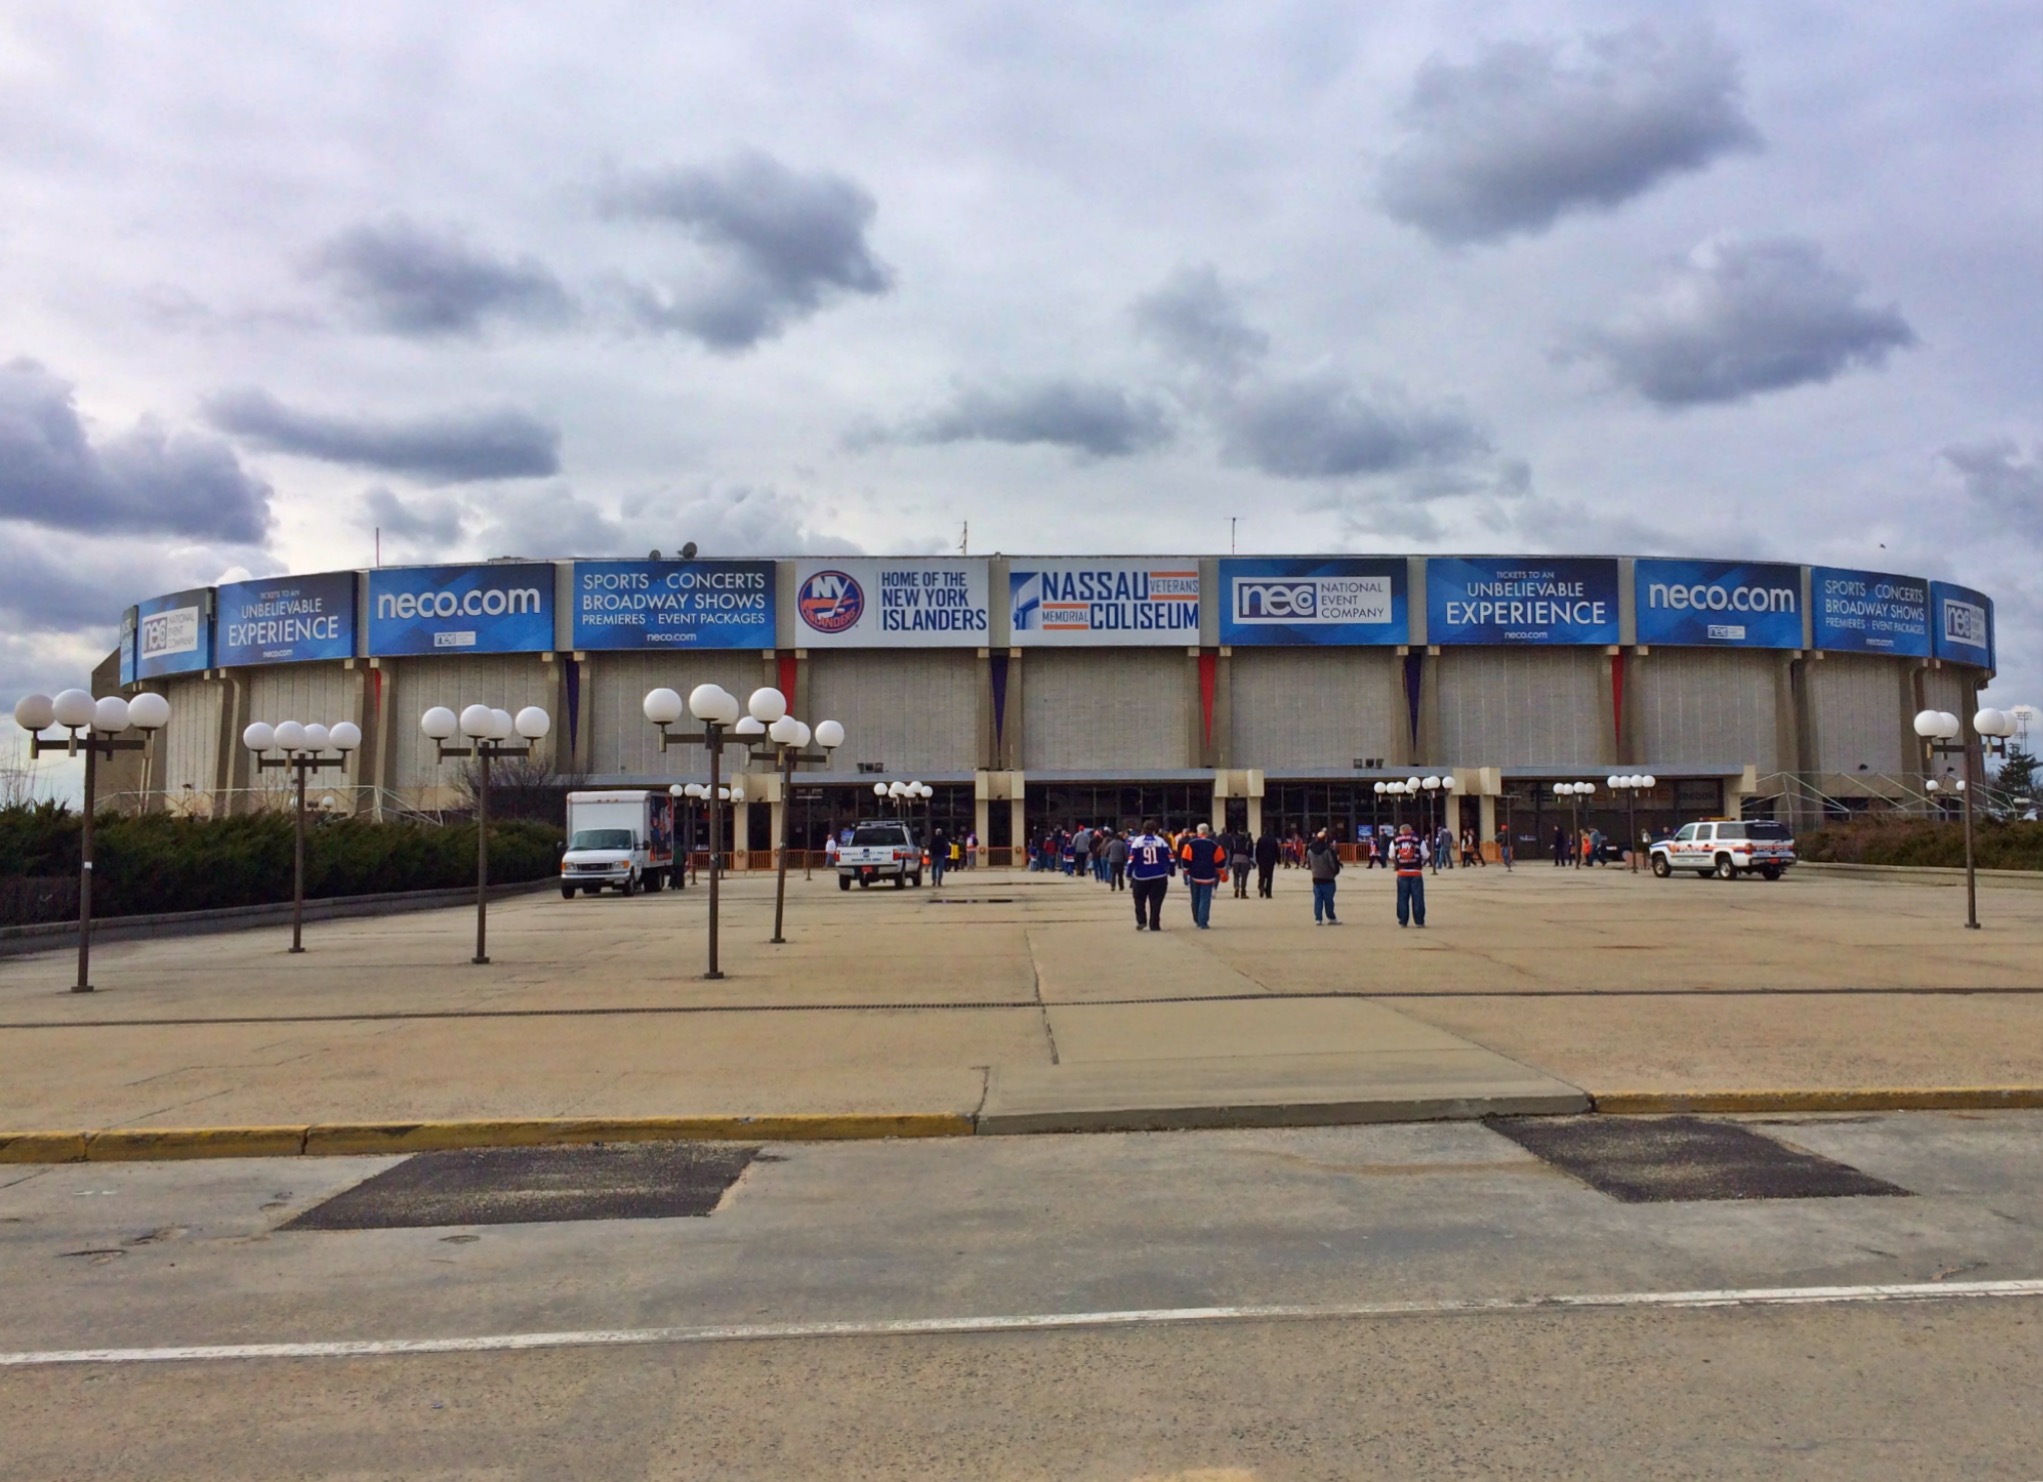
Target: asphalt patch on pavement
x,y
1663,1160
971,900
513,1186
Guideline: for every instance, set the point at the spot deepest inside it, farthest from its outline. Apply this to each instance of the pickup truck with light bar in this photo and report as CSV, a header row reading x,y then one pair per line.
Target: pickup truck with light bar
x,y
883,849
1727,848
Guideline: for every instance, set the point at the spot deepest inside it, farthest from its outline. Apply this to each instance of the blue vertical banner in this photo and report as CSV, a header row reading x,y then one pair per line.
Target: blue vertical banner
x,y
500,608
1962,624
1870,612
1719,604
1519,599
285,620
1337,600
174,634
128,621
673,604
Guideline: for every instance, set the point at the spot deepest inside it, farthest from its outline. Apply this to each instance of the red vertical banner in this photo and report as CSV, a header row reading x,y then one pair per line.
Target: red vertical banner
x,y
788,665
1209,671
1617,701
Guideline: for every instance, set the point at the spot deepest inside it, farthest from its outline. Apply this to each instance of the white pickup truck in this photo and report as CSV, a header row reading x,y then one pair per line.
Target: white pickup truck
x,y
1727,848
882,849
622,839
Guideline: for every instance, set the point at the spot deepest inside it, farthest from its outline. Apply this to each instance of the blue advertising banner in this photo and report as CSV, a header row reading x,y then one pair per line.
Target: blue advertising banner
x,y
1334,600
1964,624
673,604
128,621
1719,604
285,620
1517,599
501,609
1104,601
174,634
1870,612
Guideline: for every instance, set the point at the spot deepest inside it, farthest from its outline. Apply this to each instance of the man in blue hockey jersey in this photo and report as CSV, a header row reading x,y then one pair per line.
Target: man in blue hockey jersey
x,y
1149,867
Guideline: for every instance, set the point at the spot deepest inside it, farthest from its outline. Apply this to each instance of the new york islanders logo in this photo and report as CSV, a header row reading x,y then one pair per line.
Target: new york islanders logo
x,y
830,601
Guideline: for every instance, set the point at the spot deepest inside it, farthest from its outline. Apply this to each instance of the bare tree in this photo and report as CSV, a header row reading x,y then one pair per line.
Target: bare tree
x,y
521,787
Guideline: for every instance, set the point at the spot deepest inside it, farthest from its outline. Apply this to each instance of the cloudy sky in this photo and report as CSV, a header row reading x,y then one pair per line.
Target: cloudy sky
x,y
1753,279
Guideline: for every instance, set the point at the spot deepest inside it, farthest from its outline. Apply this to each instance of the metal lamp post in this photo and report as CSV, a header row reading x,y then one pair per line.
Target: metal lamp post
x,y
101,723
716,710
487,730
1631,787
1942,735
786,740
301,747
1572,791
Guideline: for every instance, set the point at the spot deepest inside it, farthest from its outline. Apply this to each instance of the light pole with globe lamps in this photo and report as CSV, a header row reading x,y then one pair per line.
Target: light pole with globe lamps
x,y
786,739
1574,792
102,722
1631,787
301,747
1431,788
487,731
1942,735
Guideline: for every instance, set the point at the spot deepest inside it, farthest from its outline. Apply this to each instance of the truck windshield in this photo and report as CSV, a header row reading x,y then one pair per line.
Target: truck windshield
x,y
868,835
601,838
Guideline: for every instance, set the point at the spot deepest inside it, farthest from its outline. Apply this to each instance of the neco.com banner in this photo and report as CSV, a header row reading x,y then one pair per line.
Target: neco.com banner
x,y
1719,604
498,609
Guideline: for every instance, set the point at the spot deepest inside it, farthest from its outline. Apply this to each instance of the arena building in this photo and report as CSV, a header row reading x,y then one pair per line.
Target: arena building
x,y
1034,690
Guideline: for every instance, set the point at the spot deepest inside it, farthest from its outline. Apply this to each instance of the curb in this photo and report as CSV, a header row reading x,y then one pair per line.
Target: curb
x,y
1889,1098
337,1139
128,1144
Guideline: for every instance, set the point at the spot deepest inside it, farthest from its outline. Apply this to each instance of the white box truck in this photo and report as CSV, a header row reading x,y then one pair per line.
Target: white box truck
x,y
622,839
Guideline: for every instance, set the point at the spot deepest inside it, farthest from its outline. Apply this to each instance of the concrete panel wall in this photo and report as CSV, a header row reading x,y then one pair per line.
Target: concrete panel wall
x,y
913,710
1120,710
1521,707
614,686
1862,708
413,686
1699,707
325,693
1313,708
189,741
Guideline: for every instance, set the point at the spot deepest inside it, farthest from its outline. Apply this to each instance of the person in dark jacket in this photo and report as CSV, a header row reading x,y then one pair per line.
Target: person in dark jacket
x,y
1203,860
1241,853
1149,868
1324,861
1266,863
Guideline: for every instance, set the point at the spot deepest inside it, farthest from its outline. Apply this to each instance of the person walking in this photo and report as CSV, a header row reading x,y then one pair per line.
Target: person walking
x,y
1116,862
1149,869
939,856
1560,846
1204,865
1324,860
1266,863
1081,850
1241,854
1408,859
1504,845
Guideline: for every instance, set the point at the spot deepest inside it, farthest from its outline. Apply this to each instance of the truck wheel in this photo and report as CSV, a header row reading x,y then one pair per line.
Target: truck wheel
x,y
900,881
1770,872
844,882
865,882
629,887
656,881
567,892
1725,869
916,881
1662,869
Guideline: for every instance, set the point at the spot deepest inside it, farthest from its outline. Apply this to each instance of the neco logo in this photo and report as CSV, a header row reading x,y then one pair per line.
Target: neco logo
x,y
1275,601
1710,597
494,602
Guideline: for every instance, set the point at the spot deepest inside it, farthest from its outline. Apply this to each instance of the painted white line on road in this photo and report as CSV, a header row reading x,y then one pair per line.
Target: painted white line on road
x,y
1791,1296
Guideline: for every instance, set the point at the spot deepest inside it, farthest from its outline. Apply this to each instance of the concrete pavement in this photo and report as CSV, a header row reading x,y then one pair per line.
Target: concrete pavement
x,y
1028,1002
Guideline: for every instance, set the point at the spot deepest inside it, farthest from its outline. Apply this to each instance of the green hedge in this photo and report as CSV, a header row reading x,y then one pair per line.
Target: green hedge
x,y
155,862
1995,846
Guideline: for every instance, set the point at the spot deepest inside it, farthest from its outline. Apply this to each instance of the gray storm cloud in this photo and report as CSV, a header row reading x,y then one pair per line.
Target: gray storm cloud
x,y
149,480
2003,484
779,246
446,448
407,279
1090,418
1325,427
1528,131
1197,319
1744,317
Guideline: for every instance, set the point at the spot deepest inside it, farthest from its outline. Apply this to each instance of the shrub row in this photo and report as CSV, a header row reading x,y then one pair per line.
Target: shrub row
x,y
155,862
1995,846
